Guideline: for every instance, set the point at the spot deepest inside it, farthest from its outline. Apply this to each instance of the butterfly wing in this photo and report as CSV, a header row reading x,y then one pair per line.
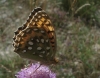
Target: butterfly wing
x,y
36,39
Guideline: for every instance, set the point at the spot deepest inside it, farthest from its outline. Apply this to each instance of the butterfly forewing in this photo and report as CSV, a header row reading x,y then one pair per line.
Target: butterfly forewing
x,y
36,39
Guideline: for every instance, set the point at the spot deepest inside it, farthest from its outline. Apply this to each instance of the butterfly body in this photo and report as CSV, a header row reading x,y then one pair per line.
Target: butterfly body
x,y
36,39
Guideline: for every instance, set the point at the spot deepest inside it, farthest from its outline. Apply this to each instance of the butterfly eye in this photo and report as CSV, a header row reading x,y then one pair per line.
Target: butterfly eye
x,y
36,39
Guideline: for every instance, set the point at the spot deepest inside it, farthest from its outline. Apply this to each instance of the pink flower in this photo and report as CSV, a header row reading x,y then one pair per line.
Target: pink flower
x,y
36,71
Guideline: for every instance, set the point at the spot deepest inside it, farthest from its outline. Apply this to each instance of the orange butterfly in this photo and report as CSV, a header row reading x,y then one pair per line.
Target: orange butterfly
x,y
36,39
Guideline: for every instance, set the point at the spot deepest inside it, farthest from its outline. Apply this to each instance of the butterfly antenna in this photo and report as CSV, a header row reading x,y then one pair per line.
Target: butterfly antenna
x,y
37,68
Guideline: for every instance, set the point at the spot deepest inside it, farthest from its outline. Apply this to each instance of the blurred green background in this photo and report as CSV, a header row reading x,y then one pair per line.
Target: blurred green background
x,y
77,26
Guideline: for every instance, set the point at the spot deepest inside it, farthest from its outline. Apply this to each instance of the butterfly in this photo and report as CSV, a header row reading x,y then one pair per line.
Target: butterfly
x,y
36,38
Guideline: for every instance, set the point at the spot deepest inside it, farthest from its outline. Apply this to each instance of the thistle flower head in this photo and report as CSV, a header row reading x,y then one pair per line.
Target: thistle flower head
x,y
36,71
